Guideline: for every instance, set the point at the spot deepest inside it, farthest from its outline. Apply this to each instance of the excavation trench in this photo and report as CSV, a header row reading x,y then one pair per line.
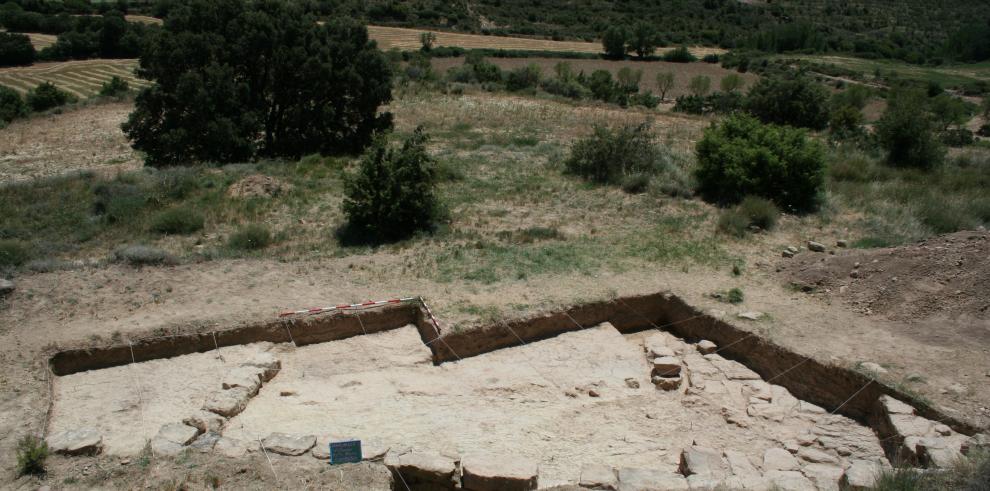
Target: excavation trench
x,y
372,368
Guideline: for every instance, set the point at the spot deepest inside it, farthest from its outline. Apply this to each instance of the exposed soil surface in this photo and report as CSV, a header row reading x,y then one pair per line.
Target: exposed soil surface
x,y
85,138
942,281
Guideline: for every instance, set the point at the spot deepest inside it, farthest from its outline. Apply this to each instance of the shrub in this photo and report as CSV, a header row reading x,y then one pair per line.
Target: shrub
x,y
392,196
760,212
844,122
908,133
742,156
679,55
731,83
700,85
525,77
115,87
12,106
646,99
753,212
570,88
690,104
609,156
324,85
665,82
118,201
31,455
15,49
636,183
179,220
47,96
734,296
13,253
957,137
250,238
792,100
142,255
614,42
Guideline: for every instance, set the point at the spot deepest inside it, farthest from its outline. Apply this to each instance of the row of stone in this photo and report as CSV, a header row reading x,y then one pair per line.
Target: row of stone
x,y
705,468
920,441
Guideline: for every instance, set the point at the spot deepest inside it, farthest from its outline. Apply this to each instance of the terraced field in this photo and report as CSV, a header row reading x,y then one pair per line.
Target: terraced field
x,y
80,78
408,39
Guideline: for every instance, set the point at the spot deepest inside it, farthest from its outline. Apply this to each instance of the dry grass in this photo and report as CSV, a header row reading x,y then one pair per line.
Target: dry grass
x,y
408,39
80,78
683,72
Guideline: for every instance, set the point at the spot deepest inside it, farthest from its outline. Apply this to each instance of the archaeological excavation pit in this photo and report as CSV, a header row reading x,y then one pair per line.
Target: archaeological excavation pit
x,y
644,390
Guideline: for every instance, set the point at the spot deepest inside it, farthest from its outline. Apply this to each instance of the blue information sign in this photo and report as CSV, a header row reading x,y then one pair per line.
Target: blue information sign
x,y
345,451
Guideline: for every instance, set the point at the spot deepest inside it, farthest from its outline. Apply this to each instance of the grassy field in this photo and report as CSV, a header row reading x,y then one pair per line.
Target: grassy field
x,y
80,78
947,75
683,72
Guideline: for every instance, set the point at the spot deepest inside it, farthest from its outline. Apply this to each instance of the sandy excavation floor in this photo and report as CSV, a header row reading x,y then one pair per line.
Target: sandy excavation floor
x,y
579,398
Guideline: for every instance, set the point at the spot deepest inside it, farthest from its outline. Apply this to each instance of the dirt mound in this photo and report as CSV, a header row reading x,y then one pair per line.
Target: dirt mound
x,y
257,186
946,276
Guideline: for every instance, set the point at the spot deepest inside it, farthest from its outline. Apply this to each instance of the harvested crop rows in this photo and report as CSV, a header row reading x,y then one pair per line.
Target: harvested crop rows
x,y
80,78
408,39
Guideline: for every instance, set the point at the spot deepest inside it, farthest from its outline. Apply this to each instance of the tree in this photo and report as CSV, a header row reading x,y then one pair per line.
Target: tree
x,y
47,96
665,82
12,106
907,132
392,195
742,156
15,49
614,42
235,80
731,83
644,39
700,85
427,39
792,100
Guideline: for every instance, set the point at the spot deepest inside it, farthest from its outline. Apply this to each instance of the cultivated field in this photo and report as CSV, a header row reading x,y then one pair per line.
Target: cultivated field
x,y
408,39
80,78
683,72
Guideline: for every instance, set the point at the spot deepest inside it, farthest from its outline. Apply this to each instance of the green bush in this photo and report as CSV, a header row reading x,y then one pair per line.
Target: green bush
x,y
636,183
13,253
679,55
12,105
845,122
760,212
47,96
752,212
250,238
115,87
734,296
609,155
522,78
31,455
907,132
794,100
178,221
392,196
15,49
119,200
742,156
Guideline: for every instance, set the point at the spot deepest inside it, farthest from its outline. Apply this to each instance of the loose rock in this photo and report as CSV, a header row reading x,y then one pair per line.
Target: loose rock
x,y
178,433
597,476
84,441
206,421
861,475
752,316
499,472
816,246
285,444
702,461
228,403
642,479
706,347
667,366
873,368
427,469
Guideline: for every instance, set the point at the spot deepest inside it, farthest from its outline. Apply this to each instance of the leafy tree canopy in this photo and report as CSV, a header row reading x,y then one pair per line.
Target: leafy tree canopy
x,y
240,79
